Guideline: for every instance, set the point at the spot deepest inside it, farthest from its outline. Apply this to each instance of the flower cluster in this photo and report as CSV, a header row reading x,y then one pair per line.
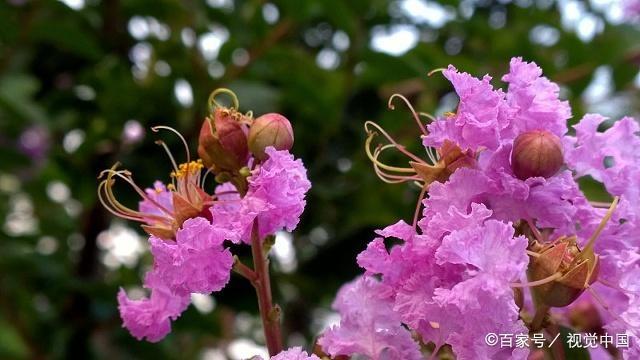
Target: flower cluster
x,y
504,214
260,185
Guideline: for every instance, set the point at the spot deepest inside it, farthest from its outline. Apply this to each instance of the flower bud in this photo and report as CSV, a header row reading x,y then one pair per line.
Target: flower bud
x,y
574,269
536,153
270,130
223,141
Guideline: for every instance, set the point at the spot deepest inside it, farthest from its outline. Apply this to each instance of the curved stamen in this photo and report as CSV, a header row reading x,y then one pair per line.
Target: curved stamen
x,y
430,73
213,104
393,179
166,149
588,249
411,109
427,115
116,208
400,148
127,177
430,154
374,158
600,204
186,148
184,142
416,214
107,205
391,176
546,280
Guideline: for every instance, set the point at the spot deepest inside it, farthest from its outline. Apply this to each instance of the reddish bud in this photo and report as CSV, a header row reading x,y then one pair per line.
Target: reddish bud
x,y
576,269
536,153
223,141
270,130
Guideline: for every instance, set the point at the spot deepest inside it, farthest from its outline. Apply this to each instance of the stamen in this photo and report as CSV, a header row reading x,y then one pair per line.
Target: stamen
x,y
416,214
213,104
534,254
390,139
427,115
186,148
600,204
588,249
127,177
413,112
166,149
431,155
374,159
546,280
107,205
204,177
184,142
430,73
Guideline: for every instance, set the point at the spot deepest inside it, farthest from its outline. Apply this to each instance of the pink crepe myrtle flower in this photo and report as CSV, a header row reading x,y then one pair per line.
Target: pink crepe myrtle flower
x,y
368,327
605,156
276,197
263,187
462,259
196,262
487,118
151,317
162,209
440,285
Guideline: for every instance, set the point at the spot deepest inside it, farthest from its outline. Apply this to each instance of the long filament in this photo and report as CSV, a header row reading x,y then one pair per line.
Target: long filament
x,y
213,104
603,223
411,109
546,280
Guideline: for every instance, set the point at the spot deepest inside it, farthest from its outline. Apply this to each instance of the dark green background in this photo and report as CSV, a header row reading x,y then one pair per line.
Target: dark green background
x,y
63,69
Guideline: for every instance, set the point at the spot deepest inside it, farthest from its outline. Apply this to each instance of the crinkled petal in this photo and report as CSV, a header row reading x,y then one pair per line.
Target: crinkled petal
x,y
281,182
196,261
607,156
151,317
295,353
368,327
490,249
479,117
535,100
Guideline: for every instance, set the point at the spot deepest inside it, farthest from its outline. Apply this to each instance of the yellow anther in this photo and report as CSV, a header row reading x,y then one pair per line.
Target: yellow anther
x,y
190,168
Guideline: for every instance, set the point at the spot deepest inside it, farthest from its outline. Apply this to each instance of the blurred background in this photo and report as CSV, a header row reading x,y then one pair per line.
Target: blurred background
x,y
81,82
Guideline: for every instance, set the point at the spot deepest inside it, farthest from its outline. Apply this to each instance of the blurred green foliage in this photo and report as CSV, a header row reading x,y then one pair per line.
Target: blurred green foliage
x,y
75,74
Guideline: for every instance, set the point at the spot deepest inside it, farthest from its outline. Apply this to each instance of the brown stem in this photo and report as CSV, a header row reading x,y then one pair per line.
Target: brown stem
x,y
269,314
244,271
